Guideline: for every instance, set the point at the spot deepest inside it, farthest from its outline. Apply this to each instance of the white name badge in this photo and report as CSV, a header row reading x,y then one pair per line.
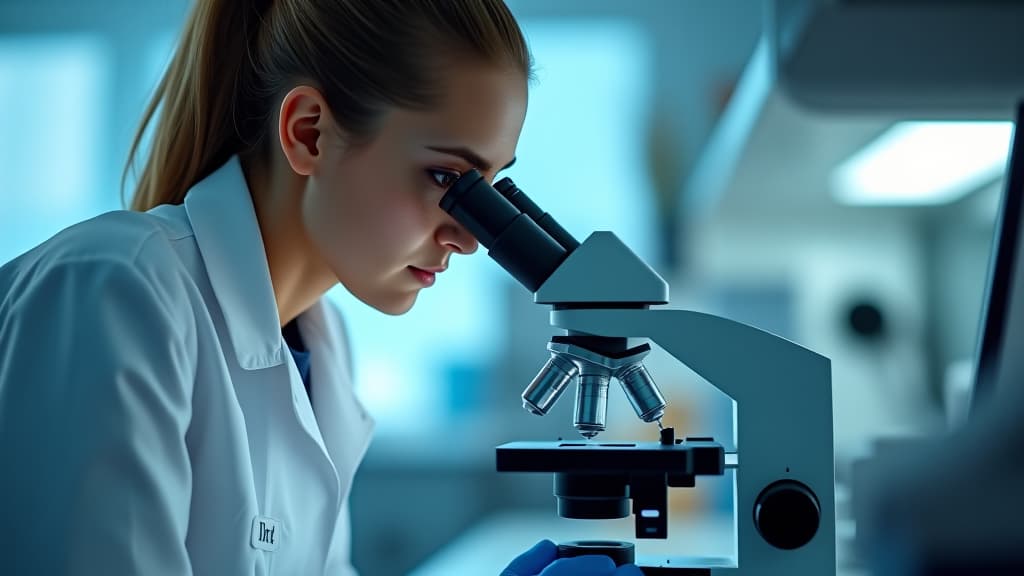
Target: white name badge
x,y
266,533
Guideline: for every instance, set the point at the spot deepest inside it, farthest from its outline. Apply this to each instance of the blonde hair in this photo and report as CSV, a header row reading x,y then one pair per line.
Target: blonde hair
x,y
237,58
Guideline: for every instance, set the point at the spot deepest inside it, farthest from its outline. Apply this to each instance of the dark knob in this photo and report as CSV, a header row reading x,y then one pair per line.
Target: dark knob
x,y
787,514
620,552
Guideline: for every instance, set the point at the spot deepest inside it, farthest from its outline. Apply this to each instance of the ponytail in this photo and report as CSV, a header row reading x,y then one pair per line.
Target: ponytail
x,y
195,104
237,57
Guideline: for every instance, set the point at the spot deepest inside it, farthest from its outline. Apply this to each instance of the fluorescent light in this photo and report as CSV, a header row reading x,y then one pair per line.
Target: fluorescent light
x,y
924,163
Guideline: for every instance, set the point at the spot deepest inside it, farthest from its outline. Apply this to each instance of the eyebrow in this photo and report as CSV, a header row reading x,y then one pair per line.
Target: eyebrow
x,y
468,155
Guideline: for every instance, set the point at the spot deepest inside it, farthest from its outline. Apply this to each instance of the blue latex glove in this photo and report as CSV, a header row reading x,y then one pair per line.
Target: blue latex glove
x,y
543,560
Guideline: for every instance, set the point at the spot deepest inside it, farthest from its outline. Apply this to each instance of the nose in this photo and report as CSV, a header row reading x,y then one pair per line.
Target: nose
x,y
455,237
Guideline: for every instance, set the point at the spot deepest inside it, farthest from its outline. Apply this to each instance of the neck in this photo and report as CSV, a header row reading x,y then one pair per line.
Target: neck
x,y
297,273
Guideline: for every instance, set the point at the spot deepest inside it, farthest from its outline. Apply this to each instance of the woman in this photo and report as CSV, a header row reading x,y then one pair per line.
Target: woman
x,y
175,395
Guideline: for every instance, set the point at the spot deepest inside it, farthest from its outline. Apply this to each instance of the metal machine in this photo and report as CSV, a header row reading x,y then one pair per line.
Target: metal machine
x,y
604,296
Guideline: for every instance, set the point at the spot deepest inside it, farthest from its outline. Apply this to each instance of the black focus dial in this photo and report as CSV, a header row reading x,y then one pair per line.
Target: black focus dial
x,y
787,514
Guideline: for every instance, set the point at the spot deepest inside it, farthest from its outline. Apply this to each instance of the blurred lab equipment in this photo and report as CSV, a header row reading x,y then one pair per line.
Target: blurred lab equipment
x,y
937,58
952,505
1001,320
602,294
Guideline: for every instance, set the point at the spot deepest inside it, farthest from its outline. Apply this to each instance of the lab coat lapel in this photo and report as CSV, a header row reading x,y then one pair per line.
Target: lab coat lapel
x,y
223,219
227,233
344,423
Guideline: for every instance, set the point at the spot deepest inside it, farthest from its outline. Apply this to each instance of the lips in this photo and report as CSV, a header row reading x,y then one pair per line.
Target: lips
x,y
426,277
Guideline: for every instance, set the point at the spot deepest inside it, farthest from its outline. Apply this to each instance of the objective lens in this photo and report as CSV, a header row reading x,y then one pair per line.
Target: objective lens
x,y
548,385
591,400
642,392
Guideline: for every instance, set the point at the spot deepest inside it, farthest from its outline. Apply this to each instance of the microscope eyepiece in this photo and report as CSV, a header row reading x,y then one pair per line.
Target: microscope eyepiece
x,y
473,204
513,239
520,200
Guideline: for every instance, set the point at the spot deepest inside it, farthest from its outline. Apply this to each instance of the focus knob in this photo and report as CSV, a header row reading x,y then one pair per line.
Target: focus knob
x,y
787,514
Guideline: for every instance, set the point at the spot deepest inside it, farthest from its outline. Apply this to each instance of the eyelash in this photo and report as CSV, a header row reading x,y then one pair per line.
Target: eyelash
x,y
433,174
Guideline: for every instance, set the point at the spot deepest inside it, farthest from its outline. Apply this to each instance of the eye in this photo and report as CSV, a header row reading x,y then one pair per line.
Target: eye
x,y
443,178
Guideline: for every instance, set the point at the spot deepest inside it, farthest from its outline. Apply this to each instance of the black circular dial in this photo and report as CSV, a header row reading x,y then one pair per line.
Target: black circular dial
x,y
787,514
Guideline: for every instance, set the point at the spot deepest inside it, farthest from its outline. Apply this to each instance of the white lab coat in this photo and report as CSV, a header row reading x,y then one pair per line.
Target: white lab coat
x,y
152,419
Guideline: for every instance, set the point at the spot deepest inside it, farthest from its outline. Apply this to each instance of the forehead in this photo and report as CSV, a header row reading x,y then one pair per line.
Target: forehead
x,y
481,108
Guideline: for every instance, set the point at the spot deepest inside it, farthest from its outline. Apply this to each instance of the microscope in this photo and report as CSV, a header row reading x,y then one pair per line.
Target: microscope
x,y
606,299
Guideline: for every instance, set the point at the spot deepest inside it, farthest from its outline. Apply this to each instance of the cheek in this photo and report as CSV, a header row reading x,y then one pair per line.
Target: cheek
x,y
365,224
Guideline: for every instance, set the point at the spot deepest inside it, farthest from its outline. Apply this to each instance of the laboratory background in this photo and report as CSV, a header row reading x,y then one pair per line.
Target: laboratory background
x,y
780,191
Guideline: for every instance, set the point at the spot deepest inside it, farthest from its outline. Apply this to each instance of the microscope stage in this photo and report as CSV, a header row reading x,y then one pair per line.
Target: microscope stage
x,y
694,457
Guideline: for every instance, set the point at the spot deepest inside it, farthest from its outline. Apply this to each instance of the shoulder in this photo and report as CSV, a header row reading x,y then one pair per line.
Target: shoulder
x,y
131,238
115,237
131,246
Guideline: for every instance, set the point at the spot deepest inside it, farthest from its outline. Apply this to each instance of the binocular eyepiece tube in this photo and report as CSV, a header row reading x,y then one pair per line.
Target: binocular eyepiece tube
x,y
507,188
517,242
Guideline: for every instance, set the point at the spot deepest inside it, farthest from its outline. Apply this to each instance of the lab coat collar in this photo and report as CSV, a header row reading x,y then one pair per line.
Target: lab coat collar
x,y
224,222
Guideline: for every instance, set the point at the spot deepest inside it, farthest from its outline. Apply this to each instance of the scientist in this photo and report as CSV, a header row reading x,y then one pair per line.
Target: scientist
x,y
175,393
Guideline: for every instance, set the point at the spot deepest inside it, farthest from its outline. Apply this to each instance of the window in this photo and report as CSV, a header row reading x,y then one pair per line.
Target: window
x,y
53,91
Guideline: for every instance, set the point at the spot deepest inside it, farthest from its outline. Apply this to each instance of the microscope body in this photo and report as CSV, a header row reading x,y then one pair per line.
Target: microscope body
x,y
782,394
603,295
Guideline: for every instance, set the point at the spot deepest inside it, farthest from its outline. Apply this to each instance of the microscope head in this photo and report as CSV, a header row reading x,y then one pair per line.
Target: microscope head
x,y
542,256
600,273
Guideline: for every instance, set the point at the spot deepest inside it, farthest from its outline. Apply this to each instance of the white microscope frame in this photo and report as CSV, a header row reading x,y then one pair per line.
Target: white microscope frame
x,y
781,392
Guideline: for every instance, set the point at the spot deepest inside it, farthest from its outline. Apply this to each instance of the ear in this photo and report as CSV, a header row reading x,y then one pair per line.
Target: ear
x,y
303,127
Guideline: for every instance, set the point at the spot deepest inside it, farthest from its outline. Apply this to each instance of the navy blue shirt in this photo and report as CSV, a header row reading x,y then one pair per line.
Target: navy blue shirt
x,y
293,338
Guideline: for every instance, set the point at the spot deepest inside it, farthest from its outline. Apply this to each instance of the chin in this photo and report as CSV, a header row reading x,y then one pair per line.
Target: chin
x,y
395,306
390,303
